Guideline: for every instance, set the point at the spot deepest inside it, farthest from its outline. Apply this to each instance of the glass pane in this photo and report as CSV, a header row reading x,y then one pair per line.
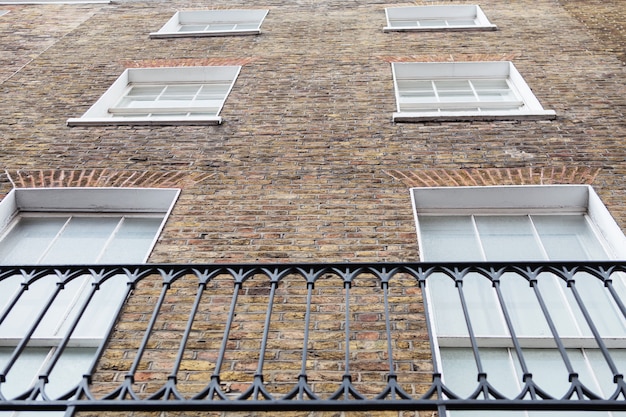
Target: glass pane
x,y
213,91
483,306
66,374
589,373
568,238
9,288
448,238
72,293
497,96
24,372
132,240
140,96
452,85
415,85
457,96
548,370
29,306
247,26
604,312
192,28
448,314
180,90
403,23
460,371
81,241
601,370
523,307
145,91
69,370
102,309
432,23
220,26
28,239
562,306
508,238
491,84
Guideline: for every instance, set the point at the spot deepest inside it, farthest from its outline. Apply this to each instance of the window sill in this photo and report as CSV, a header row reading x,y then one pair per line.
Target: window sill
x,y
141,121
440,28
166,35
408,117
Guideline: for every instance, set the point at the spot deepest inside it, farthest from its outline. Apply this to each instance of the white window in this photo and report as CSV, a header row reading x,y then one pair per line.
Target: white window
x,y
163,96
430,18
68,226
521,223
212,23
3,12
463,91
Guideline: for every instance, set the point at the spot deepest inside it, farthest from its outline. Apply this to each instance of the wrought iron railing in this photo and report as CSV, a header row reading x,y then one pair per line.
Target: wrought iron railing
x,y
187,335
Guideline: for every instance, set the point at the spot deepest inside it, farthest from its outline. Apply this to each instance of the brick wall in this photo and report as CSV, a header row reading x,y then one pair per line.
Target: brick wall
x,y
307,165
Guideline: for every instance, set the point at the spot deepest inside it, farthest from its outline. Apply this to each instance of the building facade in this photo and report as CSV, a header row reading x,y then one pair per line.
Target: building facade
x,y
290,166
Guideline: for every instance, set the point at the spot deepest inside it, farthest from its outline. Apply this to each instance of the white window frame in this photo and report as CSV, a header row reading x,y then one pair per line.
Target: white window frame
x,y
530,108
518,200
446,13
171,29
93,201
100,113
521,199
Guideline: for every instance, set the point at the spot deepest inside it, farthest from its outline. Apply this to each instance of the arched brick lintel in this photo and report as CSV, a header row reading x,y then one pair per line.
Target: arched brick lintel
x,y
495,176
103,178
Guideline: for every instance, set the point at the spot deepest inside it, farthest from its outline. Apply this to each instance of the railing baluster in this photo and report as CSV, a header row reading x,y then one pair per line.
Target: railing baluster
x,y
27,337
594,330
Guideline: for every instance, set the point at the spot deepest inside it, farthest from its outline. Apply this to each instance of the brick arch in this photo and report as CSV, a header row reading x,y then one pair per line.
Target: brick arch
x,y
495,176
104,178
449,58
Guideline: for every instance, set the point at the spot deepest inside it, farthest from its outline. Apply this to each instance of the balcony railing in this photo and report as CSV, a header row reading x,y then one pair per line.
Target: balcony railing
x,y
282,337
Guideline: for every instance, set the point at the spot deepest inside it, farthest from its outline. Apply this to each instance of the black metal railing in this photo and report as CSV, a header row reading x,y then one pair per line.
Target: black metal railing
x,y
270,337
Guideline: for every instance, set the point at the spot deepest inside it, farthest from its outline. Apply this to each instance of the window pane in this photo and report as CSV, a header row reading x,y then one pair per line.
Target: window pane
x,y
432,23
192,28
213,91
247,26
483,306
460,371
403,23
102,309
29,306
508,238
568,238
450,238
448,315
24,372
81,241
220,26
145,91
28,240
183,90
131,241
66,374
523,307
